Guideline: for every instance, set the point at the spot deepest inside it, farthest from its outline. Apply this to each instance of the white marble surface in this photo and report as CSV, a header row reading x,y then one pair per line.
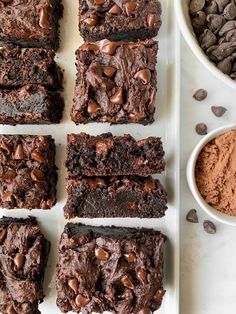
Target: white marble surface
x,y
208,262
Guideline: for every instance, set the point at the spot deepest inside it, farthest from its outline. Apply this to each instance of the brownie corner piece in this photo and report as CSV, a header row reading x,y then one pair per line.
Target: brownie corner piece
x,y
110,269
34,24
27,171
123,20
127,196
116,82
23,258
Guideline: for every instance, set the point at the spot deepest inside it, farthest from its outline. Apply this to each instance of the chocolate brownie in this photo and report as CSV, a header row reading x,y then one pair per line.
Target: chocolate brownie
x,y
23,258
108,155
30,104
119,20
28,66
30,23
115,197
116,82
27,171
110,269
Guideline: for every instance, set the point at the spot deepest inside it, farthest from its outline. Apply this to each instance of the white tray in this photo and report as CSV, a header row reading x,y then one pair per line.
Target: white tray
x,y
167,126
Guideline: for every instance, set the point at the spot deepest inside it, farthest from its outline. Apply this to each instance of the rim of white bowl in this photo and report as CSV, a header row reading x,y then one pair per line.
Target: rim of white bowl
x,y
194,45
190,173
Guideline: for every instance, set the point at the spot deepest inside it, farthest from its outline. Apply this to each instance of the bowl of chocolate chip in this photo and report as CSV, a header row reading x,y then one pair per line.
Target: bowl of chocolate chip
x,y
211,174
209,27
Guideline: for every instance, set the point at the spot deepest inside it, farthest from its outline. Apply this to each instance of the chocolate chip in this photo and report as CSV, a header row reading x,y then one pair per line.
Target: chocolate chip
x,y
148,187
152,19
109,71
118,97
132,206
102,148
199,21
3,233
200,94
81,301
142,276
144,75
192,216
159,295
37,157
99,2
5,147
130,7
73,284
145,310
225,65
212,8
90,47
9,176
131,257
108,47
218,111
152,96
222,4
209,227
92,20
19,261
11,309
19,152
92,107
36,175
201,129
101,254
215,22
44,18
127,282
196,5
115,10
7,197
228,26
207,39
230,11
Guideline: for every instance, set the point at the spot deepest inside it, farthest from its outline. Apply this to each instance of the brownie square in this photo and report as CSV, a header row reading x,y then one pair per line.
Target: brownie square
x,y
30,23
116,82
29,66
30,104
27,171
108,155
119,20
110,269
115,197
23,258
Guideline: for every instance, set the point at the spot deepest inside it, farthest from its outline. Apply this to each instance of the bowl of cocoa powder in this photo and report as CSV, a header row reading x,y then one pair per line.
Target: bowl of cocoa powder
x,y
209,27
211,174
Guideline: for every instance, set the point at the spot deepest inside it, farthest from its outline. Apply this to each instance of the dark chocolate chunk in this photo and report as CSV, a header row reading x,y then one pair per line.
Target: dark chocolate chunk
x,y
209,227
201,128
218,111
192,216
200,94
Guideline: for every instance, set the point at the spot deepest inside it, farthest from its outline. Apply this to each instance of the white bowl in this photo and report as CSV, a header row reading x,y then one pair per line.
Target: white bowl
x,y
182,12
192,182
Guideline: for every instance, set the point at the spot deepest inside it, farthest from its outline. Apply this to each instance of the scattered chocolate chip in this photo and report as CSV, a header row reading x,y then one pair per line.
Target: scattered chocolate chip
x,y
127,282
19,261
192,216
196,5
144,75
108,47
36,175
44,18
3,233
142,276
102,254
209,227
9,176
118,97
109,71
73,284
130,7
19,152
92,20
201,129
99,2
93,106
37,157
131,257
218,111
115,10
152,19
200,94
81,301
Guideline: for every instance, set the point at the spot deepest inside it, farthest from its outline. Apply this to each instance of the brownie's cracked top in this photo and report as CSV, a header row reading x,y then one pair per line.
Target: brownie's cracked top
x,y
115,197
119,19
23,258
30,23
108,155
28,66
110,269
116,82
27,171
30,104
